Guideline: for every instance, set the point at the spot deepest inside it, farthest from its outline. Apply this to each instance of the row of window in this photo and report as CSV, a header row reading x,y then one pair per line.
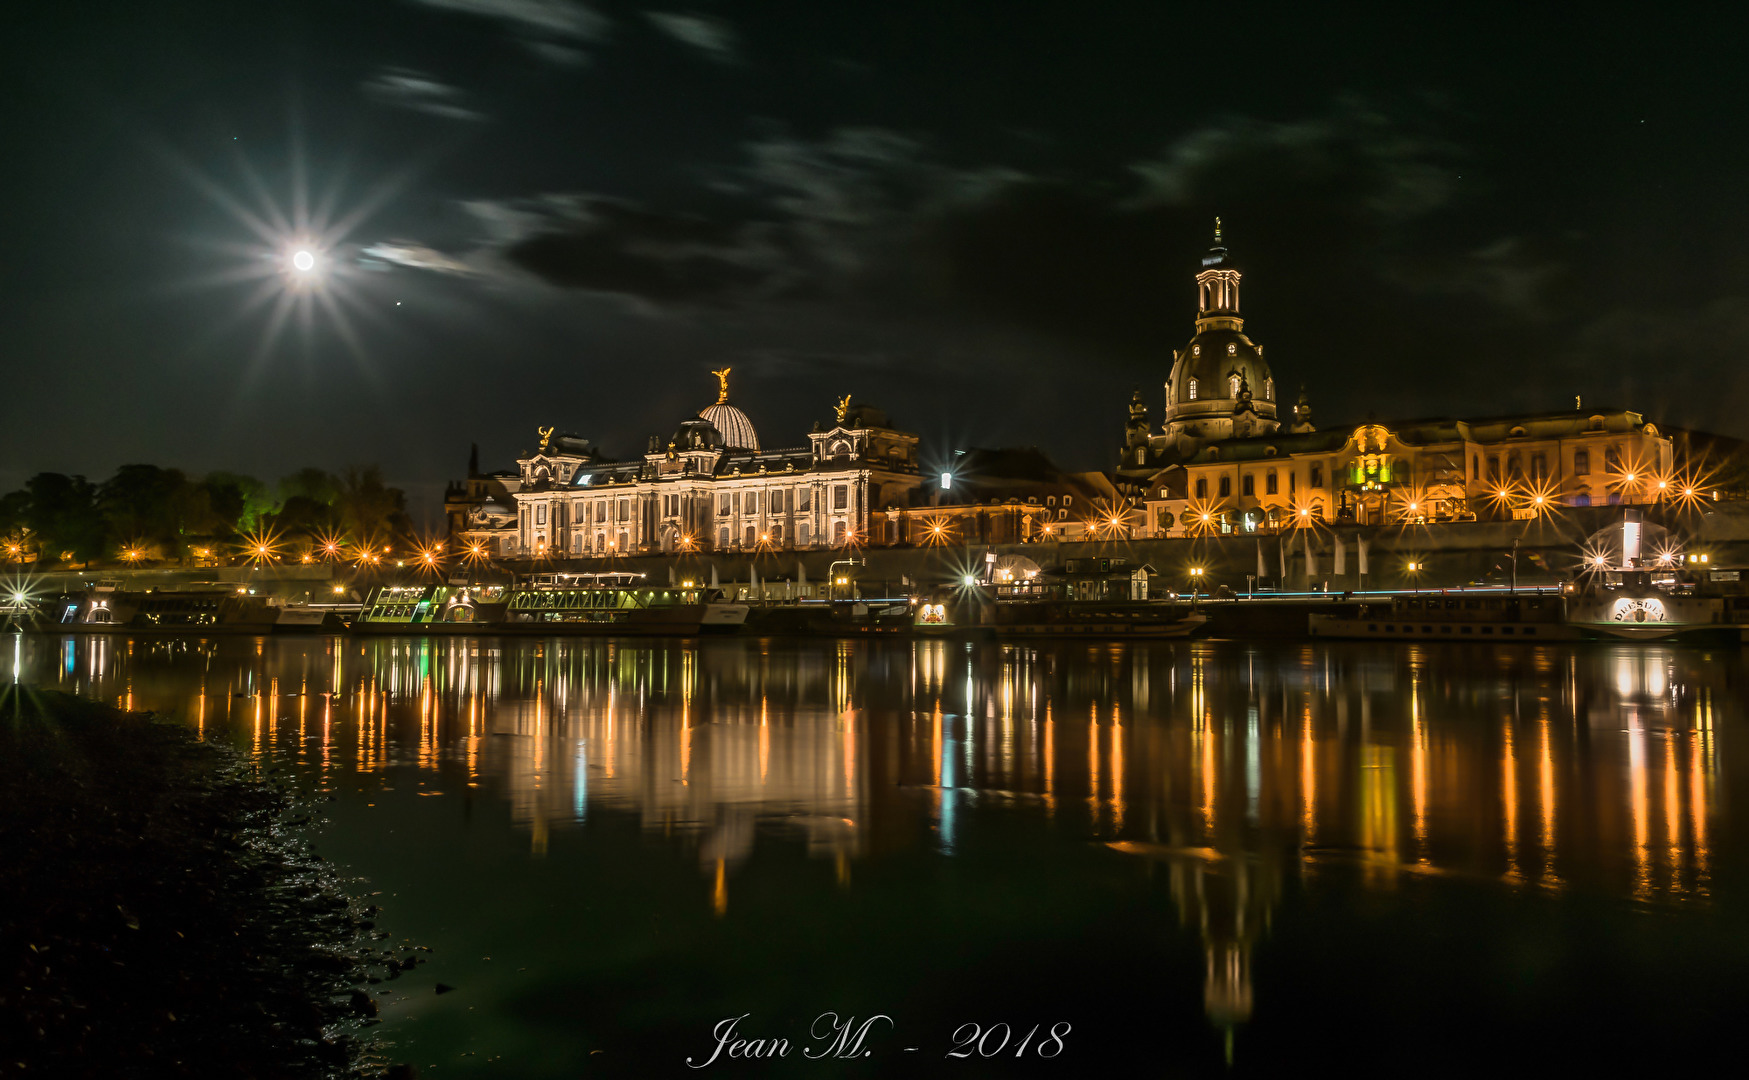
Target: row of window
x,y
1271,484
622,511
1233,385
774,536
1539,466
774,501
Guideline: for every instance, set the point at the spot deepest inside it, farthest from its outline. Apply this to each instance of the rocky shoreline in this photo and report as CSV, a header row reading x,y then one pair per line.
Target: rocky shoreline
x,y
162,913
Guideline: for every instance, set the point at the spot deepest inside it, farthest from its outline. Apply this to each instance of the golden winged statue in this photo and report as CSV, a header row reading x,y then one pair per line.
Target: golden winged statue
x,y
842,407
546,436
722,385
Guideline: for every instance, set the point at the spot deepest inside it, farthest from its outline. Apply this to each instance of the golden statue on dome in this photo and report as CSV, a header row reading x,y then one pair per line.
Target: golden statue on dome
x,y
722,385
842,407
546,436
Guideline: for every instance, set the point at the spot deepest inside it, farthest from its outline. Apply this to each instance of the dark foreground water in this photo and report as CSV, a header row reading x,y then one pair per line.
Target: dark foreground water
x,y
1072,860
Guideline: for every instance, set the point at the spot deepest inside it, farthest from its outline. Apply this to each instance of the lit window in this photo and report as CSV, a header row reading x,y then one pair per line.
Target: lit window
x,y
1192,394
1232,386
1232,349
1269,389
1196,350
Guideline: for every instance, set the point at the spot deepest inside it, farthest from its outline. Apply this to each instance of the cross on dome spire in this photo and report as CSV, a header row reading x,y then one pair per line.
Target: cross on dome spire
x,y
1217,230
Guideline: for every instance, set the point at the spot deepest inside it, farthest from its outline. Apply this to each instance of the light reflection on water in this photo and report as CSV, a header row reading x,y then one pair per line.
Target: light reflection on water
x,y
1232,769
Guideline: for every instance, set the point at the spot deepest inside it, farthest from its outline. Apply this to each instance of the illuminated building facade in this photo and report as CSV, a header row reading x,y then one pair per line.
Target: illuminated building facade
x,y
1013,495
1224,462
481,511
712,487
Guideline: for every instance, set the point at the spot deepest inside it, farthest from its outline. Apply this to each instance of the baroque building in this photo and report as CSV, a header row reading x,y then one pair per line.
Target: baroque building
x,y
712,487
1224,460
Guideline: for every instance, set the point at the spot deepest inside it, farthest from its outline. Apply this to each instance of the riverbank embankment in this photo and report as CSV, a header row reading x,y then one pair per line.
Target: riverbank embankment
x,y
162,913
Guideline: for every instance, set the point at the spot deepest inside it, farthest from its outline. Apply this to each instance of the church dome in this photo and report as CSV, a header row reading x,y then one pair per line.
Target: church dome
x,y
1220,386
733,425
1203,375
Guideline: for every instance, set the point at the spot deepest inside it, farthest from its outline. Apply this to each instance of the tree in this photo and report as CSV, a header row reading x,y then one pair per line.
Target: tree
x,y
301,517
369,509
63,513
312,484
139,505
240,500
15,532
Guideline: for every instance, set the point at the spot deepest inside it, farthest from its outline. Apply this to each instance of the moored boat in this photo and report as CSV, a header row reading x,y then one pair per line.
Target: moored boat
x,y
550,604
203,609
1455,616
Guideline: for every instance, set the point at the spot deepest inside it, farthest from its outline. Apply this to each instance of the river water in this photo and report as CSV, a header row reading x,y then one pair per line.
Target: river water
x,y
1121,859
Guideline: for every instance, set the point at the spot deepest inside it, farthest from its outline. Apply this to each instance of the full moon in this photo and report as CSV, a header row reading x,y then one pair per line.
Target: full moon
x,y
303,260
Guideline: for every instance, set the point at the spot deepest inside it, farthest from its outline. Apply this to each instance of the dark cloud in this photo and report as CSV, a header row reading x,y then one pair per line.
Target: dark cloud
x,y
875,217
712,36
405,88
608,246
552,29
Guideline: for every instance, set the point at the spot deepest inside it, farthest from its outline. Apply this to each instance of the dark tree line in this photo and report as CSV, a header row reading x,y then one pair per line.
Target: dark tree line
x,y
149,514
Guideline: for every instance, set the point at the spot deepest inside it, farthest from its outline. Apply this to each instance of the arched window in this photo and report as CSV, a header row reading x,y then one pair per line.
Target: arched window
x,y
838,532
1232,386
1192,395
722,538
777,535
624,541
1269,389
747,538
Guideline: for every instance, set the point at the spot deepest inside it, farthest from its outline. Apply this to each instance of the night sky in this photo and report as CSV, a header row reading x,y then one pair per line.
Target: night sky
x,y
983,217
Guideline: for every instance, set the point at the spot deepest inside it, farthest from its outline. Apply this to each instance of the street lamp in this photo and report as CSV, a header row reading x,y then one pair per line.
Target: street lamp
x,y
1195,580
